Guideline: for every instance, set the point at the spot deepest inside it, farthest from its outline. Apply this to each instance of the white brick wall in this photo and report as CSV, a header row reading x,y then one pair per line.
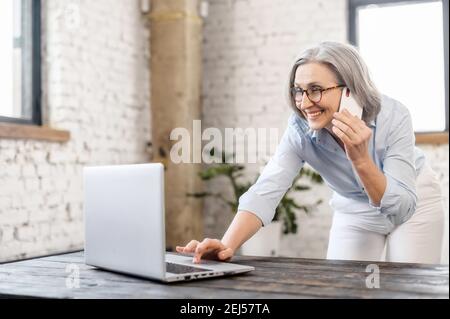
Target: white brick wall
x,y
96,85
249,46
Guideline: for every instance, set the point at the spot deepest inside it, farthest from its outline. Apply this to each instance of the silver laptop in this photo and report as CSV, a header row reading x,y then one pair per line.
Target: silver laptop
x,y
125,229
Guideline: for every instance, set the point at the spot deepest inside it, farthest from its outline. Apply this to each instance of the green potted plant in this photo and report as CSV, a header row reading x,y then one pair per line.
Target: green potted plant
x,y
285,218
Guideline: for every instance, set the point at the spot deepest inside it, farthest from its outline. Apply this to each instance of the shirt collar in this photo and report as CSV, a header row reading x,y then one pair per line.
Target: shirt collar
x,y
317,134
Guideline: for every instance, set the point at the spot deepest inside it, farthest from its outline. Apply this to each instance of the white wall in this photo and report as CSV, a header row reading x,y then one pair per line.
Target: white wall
x,y
249,46
96,85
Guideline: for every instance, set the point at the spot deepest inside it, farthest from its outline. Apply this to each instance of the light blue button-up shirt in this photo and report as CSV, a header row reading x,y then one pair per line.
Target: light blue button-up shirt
x,y
392,148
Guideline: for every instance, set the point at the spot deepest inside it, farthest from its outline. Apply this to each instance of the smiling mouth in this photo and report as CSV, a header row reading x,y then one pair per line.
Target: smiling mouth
x,y
314,115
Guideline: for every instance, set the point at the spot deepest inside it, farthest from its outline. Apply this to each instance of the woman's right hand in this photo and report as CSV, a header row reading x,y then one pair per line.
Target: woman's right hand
x,y
208,249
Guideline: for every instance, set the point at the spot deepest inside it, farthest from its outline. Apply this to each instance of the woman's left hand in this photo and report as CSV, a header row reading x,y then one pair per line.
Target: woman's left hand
x,y
355,135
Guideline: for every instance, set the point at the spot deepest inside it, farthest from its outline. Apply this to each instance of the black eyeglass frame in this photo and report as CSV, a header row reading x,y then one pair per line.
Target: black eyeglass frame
x,y
295,90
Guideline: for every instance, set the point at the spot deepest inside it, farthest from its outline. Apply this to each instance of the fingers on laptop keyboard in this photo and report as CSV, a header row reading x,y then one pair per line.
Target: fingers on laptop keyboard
x,y
189,248
207,245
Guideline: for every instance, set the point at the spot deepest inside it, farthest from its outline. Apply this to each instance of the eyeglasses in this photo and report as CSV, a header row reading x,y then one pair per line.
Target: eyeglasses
x,y
314,94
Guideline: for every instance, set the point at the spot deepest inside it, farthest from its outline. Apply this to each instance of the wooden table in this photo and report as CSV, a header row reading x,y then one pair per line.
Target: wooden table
x,y
284,278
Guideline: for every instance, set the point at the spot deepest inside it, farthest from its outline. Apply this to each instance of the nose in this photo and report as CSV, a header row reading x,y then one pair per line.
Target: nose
x,y
306,102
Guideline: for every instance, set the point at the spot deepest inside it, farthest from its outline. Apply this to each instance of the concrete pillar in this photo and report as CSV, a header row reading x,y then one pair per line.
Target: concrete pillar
x,y
176,34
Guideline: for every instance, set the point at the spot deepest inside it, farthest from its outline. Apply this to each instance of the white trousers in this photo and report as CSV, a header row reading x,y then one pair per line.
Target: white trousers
x,y
372,237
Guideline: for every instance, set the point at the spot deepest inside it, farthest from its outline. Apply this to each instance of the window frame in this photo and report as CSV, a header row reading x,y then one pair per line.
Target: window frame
x,y
439,136
34,107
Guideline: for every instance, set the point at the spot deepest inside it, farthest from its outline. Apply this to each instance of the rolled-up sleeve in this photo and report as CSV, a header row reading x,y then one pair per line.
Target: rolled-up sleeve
x,y
276,178
400,198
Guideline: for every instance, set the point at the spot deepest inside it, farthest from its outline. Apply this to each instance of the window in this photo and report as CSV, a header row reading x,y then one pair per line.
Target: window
x,y
405,44
20,73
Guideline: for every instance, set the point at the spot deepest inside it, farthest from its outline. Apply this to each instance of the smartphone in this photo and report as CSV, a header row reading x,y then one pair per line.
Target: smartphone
x,y
349,103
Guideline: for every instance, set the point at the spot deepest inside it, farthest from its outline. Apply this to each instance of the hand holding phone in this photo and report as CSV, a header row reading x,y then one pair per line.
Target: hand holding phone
x,y
349,103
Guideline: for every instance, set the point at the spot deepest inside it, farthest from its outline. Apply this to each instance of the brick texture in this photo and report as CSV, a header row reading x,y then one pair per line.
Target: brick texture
x,y
96,85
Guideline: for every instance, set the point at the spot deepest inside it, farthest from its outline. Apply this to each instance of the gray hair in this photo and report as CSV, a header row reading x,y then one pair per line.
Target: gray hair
x,y
347,64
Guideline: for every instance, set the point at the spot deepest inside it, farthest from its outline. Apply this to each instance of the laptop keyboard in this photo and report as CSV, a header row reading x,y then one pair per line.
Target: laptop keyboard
x,y
182,269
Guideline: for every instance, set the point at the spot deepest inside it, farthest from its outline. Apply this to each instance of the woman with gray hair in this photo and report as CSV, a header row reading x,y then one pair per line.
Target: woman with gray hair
x,y
386,198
